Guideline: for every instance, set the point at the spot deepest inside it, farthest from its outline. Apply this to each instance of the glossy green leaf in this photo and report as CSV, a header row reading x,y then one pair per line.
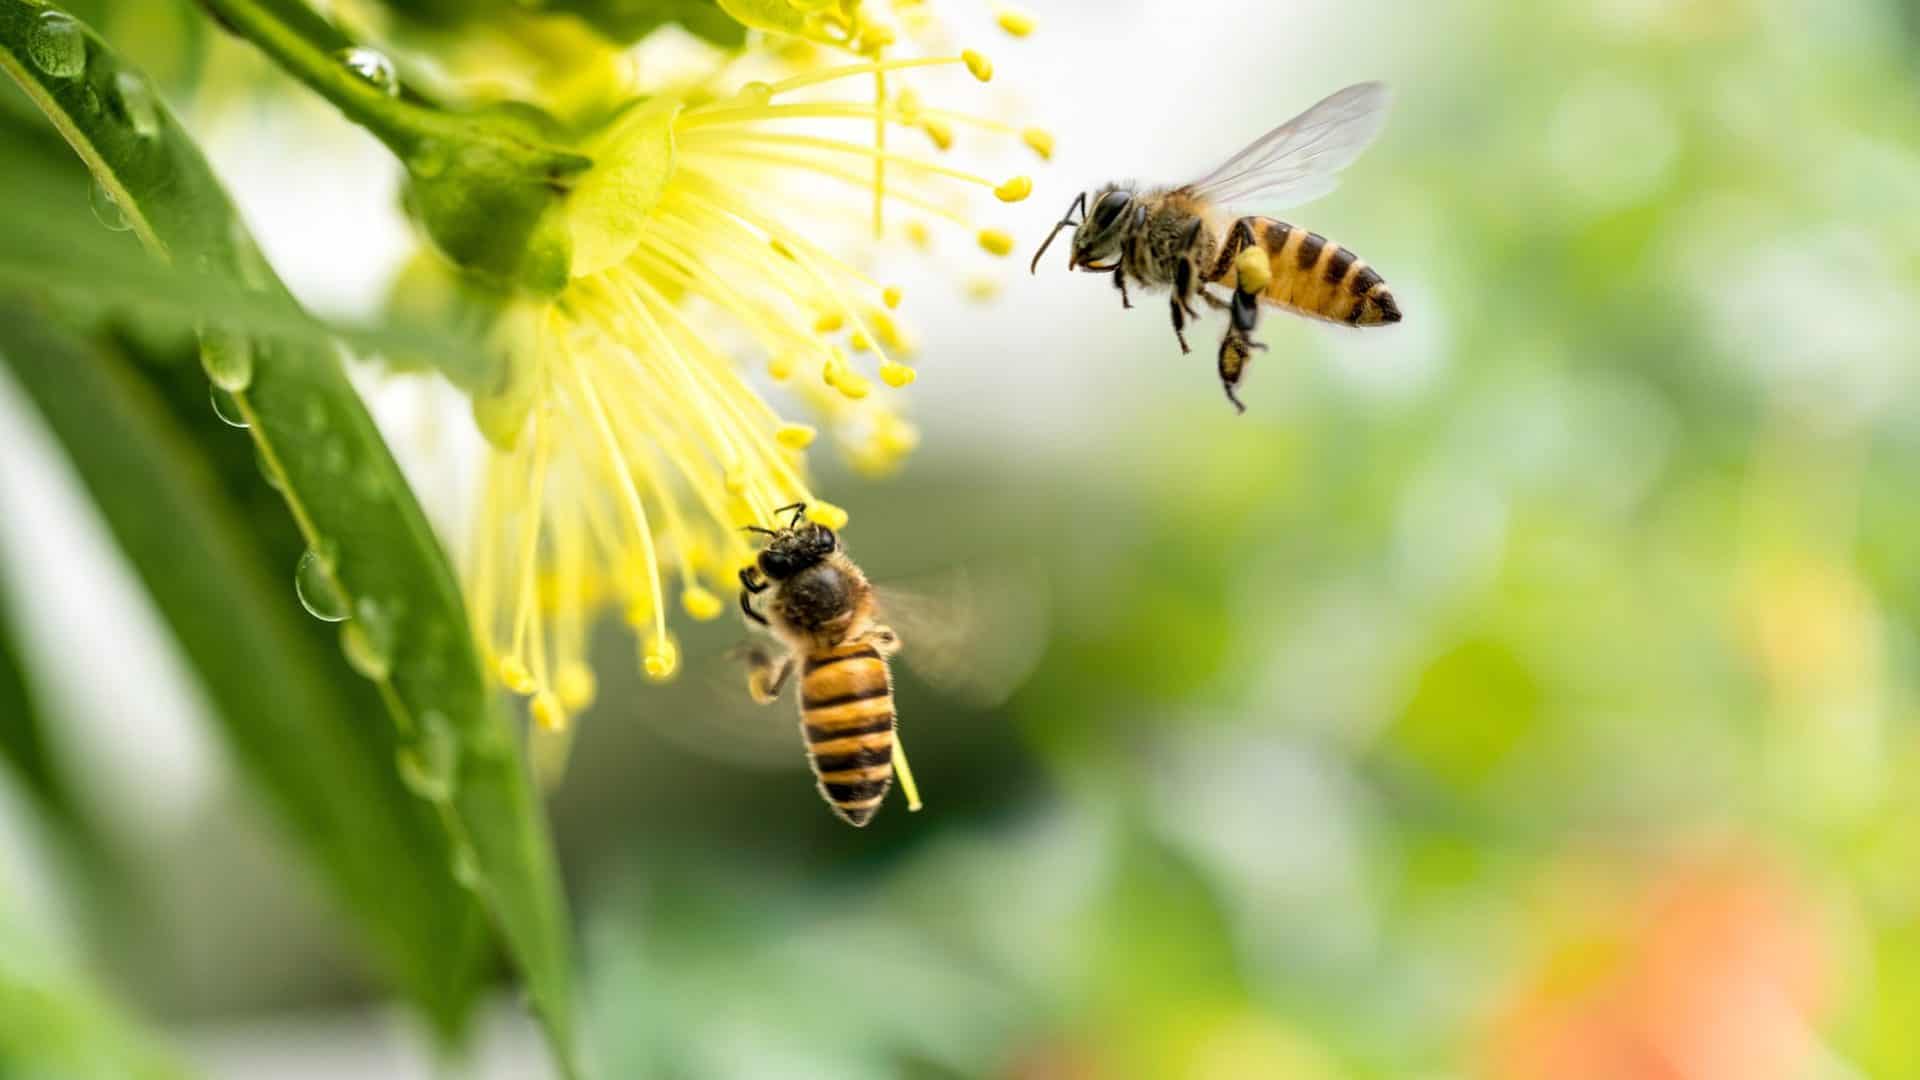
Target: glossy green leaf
x,y
25,748
408,631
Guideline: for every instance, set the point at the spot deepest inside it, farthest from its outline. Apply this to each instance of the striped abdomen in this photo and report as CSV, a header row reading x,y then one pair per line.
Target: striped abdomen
x,y
1315,276
846,716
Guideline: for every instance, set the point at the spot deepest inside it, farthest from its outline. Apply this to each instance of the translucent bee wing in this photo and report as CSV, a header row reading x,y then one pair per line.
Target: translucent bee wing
x,y
973,633
1301,159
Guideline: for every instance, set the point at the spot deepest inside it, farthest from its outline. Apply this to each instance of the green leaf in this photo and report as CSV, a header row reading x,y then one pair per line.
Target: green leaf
x,y
286,704
627,21
374,549
24,747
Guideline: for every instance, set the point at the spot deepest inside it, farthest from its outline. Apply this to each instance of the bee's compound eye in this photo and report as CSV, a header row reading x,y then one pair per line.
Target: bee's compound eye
x,y
1109,207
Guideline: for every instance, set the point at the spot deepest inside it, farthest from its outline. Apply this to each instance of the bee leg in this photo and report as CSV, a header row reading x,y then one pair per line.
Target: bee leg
x,y
1182,285
883,639
1238,346
1238,238
766,677
1120,282
751,585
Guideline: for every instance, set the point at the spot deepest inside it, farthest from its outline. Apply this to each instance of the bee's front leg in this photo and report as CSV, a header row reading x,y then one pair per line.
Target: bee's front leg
x,y
751,585
1182,285
1120,282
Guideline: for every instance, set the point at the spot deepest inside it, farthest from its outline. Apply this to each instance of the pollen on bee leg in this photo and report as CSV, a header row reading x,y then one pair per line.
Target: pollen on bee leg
x,y
1253,269
513,672
700,603
795,436
996,241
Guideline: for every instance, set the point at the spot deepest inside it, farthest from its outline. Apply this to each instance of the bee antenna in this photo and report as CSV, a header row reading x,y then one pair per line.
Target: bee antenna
x,y
762,529
1079,203
798,509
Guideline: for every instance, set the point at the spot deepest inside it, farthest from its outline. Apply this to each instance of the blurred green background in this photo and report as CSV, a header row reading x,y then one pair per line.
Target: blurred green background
x,y
1525,691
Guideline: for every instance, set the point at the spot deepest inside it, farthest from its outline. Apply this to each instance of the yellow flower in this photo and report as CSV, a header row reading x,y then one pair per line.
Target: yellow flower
x,y
630,445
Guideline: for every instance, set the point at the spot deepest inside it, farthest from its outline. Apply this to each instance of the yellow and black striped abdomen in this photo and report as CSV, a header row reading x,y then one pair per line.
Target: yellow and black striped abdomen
x,y
1315,276
846,717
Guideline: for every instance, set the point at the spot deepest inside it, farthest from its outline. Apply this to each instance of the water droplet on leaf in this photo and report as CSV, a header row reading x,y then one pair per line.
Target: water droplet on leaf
x,y
428,766
57,45
227,358
107,209
372,66
226,408
313,582
368,639
137,103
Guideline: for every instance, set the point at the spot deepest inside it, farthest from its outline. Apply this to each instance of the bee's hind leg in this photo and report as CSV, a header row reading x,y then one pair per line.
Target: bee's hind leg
x,y
766,675
1238,346
1120,282
1182,286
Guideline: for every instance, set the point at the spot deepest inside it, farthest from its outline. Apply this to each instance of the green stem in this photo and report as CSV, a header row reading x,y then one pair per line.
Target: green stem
x,y
406,127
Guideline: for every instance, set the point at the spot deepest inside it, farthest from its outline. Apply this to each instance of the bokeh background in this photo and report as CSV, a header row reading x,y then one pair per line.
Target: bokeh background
x,y
1527,690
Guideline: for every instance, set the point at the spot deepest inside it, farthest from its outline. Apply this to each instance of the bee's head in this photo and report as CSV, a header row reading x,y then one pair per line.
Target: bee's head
x,y
1096,236
799,546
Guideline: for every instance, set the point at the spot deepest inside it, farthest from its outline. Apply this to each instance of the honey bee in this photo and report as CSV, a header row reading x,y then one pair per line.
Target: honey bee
x,y
821,608
1182,237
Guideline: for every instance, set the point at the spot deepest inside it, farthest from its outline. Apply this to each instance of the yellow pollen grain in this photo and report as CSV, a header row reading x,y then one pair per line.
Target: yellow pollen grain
x,y
1015,20
980,66
795,436
1014,190
996,241
939,131
1040,141
896,374
891,296
700,603
825,513
1254,269
576,686
828,322
513,672
548,712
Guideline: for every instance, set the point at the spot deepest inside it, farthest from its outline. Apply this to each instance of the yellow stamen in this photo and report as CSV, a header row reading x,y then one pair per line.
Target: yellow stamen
x,y
996,241
700,603
1040,141
1014,190
795,436
1015,20
896,374
891,296
821,512
980,66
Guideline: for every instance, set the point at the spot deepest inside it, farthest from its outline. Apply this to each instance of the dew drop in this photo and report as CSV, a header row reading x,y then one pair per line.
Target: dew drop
x,y
227,409
275,479
428,766
372,66
368,639
319,593
228,359
106,208
57,45
466,866
137,103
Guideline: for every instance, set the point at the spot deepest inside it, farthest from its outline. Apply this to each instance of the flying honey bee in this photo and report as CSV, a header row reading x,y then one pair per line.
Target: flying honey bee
x,y
1184,238
822,609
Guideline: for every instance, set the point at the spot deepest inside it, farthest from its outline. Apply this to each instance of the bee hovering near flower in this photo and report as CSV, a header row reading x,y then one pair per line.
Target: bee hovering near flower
x,y
1183,238
822,609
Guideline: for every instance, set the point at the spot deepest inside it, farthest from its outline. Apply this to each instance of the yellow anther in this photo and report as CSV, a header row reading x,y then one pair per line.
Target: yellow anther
x,y
828,322
888,331
876,36
639,611
1040,141
548,712
1014,20
907,104
1254,269
700,603
896,374
576,686
825,513
859,342
754,93
660,657
997,241
891,296
896,438
981,288
1015,189
981,67
939,131
919,235
852,385
780,366
795,436
513,672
